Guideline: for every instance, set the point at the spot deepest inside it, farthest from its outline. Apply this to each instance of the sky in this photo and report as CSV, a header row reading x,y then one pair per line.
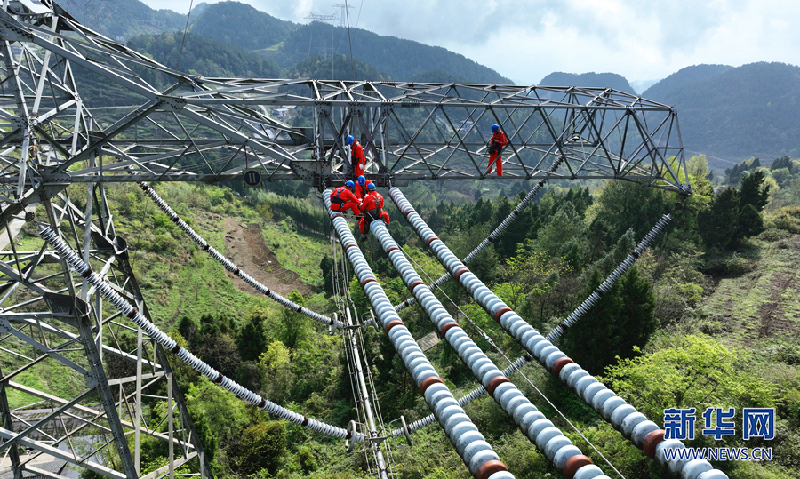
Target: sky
x,y
525,40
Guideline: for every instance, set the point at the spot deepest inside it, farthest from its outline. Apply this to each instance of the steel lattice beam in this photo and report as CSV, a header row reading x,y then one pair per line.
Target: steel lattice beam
x,y
194,128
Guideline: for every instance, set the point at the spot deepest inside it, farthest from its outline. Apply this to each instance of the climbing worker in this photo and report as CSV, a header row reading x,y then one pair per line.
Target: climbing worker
x,y
496,144
343,199
362,185
357,158
372,207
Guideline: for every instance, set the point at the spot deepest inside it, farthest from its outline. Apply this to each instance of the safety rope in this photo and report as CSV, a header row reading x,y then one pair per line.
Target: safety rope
x,y
106,291
494,235
225,262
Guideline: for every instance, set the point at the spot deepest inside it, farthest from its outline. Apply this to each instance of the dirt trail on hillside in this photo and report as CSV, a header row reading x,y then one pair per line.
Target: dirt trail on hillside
x,y
246,248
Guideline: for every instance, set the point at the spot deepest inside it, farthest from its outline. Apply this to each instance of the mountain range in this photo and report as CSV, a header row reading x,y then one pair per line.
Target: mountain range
x,y
726,113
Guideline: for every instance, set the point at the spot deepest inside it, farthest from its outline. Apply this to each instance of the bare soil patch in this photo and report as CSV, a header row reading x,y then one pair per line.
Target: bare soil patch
x,y
245,247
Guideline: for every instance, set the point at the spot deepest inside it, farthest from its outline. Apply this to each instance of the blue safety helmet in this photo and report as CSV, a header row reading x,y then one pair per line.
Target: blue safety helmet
x,y
495,127
350,184
350,139
371,186
361,180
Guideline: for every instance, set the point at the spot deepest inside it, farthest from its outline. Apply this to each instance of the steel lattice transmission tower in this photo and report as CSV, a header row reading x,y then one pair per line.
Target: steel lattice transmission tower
x,y
60,149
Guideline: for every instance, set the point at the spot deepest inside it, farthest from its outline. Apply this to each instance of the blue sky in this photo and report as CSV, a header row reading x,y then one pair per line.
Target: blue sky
x,y
525,40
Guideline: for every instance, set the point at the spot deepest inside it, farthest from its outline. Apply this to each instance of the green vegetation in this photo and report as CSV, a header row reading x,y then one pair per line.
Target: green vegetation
x,y
696,323
203,56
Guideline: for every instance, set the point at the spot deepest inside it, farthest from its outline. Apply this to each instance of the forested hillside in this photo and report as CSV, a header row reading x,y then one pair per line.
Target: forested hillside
x,y
737,112
125,18
683,79
200,55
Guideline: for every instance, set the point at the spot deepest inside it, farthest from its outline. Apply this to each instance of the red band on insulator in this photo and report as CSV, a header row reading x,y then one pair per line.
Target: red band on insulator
x,y
635,254
368,280
501,312
496,381
175,350
431,240
573,464
262,404
219,378
560,363
392,324
407,212
428,382
133,313
490,467
206,247
237,272
348,246
392,248
305,422
87,273
336,215
414,285
460,272
651,441
447,327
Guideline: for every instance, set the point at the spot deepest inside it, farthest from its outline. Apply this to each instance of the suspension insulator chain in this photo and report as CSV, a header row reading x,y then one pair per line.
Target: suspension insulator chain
x,y
106,291
476,453
644,433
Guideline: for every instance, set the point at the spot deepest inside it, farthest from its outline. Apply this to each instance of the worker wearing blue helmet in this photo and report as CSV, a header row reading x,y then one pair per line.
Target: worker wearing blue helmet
x,y
362,187
372,207
343,199
496,144
357,157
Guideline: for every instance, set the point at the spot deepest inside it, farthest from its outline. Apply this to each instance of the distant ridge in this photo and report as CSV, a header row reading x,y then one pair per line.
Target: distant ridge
x,y
602,80
681,78
289,43
736,113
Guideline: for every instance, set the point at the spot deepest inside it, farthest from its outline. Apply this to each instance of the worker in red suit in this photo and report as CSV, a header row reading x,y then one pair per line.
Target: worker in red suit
x,y
362,187
496,144
372,207
357,158
343,199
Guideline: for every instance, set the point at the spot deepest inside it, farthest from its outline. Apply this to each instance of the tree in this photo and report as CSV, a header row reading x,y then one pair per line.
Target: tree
x,y
624,205
563,235
252,340
719,223
783,162
619,323
261,446
326,265
753,191
295,326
